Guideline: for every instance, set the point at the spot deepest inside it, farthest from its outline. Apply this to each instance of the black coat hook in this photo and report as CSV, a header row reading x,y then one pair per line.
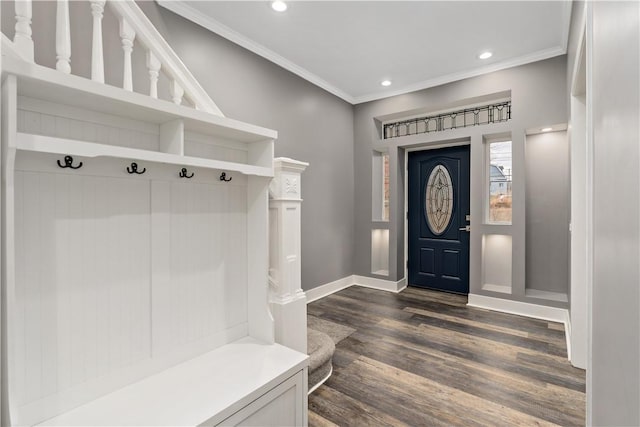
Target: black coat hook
x,y
183,173
223,177
68,163
134,169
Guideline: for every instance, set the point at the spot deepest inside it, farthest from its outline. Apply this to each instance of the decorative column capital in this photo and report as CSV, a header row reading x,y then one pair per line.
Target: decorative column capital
x,y
286,183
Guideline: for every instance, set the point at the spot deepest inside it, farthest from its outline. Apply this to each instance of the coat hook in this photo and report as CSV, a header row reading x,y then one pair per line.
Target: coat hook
x,y
68,163
223,177
183,173
134,169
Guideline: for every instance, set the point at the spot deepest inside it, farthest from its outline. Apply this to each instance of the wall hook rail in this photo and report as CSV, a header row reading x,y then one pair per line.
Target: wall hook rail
x,y
68,163
134,169
223,177
184,174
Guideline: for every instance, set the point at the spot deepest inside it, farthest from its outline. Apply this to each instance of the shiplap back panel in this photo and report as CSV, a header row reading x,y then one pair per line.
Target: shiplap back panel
x,y
44,118
198,145
119,278
200,285
82,279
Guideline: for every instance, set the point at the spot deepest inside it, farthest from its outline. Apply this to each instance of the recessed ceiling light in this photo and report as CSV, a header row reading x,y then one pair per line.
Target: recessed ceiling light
x,y
386,83
546,129
485,55
278,6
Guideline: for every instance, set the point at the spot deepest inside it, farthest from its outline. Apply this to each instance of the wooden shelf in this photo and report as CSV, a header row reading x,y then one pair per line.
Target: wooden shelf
x,y
43,83
49,144
216,384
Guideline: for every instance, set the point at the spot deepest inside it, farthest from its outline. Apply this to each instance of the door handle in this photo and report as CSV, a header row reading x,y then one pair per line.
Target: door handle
x,y
466,228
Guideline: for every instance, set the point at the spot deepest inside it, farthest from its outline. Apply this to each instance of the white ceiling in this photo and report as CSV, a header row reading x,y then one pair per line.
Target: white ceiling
x,y
349,47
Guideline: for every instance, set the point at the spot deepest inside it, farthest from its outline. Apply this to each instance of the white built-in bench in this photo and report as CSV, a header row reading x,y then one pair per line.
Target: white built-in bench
x,y
135,245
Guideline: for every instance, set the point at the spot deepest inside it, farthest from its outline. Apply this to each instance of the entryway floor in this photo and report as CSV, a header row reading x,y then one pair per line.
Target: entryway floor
x,y
423,358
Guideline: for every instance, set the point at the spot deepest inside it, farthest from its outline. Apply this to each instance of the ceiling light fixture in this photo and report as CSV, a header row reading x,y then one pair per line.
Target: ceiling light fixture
x,y
485,55
386,83
546,129
278,6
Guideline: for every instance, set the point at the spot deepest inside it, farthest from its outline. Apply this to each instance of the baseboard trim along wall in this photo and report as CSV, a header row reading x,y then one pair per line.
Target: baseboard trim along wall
x,y
542,312
381,284
354,280
328,289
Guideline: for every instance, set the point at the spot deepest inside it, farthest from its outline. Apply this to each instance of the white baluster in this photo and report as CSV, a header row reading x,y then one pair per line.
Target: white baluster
x,y
22,38
63,37
127,34
97,56
153,64
176,92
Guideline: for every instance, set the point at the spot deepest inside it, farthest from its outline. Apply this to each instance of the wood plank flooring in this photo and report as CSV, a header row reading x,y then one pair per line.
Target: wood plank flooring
x,y
423,358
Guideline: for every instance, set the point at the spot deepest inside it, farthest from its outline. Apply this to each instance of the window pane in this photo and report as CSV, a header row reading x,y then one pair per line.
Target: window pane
x,y
385,187
500,172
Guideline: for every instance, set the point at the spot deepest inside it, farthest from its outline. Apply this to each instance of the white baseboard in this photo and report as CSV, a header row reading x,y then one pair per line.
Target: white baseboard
x,y
543,312
367,282
328,288
380,284
567,334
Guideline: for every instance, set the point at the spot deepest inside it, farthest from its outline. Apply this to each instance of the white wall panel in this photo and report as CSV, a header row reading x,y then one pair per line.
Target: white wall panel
x,y
82,279
200,249
55,124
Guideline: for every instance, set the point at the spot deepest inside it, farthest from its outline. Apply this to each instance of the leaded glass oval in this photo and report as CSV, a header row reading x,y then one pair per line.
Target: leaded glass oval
x,y
439,199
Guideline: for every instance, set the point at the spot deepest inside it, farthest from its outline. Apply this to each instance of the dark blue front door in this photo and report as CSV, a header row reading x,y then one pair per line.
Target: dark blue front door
x,y
438,211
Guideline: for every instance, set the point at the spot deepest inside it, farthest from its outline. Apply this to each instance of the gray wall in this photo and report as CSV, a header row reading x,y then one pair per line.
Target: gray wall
x,y
312,125
538,93
547,209
615,340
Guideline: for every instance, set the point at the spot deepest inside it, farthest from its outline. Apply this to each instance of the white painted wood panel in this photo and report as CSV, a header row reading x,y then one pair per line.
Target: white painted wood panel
x,y
82,280
201,391
200,261
280,407
63,146
37,123
198,145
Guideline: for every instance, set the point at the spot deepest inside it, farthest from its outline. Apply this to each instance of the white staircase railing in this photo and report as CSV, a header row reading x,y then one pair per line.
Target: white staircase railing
x,y
133,25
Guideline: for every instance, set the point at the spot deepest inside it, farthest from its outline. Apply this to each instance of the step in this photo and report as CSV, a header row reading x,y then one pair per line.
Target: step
x,y
320,348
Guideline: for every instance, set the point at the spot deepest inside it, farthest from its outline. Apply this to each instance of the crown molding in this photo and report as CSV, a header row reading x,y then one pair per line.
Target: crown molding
x,y
567,8
449,78
194,15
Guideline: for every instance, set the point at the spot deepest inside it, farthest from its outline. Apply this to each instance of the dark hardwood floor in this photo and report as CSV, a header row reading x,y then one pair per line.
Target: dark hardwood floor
x,y
423,358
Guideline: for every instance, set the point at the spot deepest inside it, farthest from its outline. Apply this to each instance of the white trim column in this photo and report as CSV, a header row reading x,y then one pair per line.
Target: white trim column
x,y
287,299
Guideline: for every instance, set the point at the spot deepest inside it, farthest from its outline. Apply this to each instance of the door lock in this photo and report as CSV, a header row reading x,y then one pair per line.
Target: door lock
x,y
466,228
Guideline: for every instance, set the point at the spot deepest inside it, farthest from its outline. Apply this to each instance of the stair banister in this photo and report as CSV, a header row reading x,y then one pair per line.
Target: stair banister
x,y
97,54
128,35
63,37
172,66
22,37
133,25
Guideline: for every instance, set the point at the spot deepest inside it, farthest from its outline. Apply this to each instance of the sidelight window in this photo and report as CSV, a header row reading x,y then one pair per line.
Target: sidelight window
x,y
500,172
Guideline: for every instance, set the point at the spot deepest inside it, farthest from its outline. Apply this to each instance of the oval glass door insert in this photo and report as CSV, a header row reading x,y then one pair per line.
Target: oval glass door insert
x,y
439,199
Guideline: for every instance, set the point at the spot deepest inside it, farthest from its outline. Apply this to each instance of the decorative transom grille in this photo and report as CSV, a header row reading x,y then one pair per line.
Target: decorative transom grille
x,y
439,199
492,113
